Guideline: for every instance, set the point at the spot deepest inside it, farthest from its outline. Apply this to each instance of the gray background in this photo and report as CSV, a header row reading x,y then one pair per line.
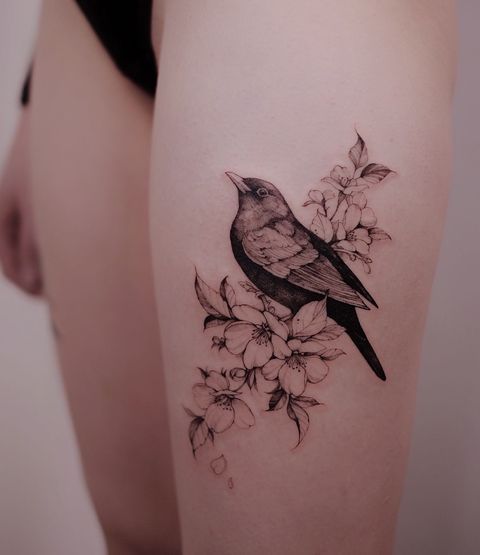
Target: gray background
x,y
43,506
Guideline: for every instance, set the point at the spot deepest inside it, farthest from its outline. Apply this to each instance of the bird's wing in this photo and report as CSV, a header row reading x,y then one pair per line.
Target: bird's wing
x,y
277,249
345,272
286,251
320,276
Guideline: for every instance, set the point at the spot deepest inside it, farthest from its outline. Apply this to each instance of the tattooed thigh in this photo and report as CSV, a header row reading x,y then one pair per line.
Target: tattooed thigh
x,y
299,181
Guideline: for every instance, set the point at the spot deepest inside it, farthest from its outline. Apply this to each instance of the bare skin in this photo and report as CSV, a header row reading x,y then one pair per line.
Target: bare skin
x,y
90,137
275,92
281,105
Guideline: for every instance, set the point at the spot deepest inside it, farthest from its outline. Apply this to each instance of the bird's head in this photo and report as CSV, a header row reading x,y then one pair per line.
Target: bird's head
x,y
259,203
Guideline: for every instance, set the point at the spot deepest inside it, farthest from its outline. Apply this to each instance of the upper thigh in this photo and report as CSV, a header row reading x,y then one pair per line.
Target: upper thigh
x,y
275,90
91,145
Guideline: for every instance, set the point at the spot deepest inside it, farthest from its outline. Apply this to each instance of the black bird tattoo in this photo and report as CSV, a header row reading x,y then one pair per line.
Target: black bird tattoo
x,y
291,265
284,355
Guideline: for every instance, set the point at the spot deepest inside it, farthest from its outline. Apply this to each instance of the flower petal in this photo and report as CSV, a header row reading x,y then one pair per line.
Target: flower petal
x,y
368,218
272,368
361,234
247,313
335,225
363,183
237,335
332,183
220,415
352,217
359,199
316,369
243,415
330,195
315,196
340,172
355,188
277,326
312,346
331,202
346,246
280,347
322,227
257,353
216,381
361,247
341,233
294,344
340,212
293,378
204,396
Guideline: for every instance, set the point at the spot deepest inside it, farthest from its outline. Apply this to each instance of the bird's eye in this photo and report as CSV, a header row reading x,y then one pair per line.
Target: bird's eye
x,y
262,192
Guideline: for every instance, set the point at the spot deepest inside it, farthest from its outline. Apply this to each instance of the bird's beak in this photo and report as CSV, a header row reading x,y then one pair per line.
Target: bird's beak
x,y
238,182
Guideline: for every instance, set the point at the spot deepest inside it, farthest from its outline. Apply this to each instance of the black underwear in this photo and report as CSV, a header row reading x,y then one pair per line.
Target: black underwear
x,y
124,30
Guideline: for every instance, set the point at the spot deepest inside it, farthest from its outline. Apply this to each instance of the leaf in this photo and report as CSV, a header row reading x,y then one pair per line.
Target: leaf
x,y
310,319
277,400
198,433
374,173
219,465
300,417
227,293
378,234
332,354
322,227
212,321
358,153
306,402
330,332
210,299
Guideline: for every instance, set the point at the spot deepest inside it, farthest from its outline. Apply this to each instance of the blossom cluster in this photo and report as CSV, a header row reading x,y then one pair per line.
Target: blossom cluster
x,y
285,353
343,217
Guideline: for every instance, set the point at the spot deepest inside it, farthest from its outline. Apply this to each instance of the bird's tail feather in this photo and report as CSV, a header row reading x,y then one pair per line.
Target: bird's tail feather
x,y
357,335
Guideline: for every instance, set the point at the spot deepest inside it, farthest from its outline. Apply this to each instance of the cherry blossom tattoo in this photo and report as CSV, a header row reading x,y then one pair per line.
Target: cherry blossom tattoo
x,y
278,329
